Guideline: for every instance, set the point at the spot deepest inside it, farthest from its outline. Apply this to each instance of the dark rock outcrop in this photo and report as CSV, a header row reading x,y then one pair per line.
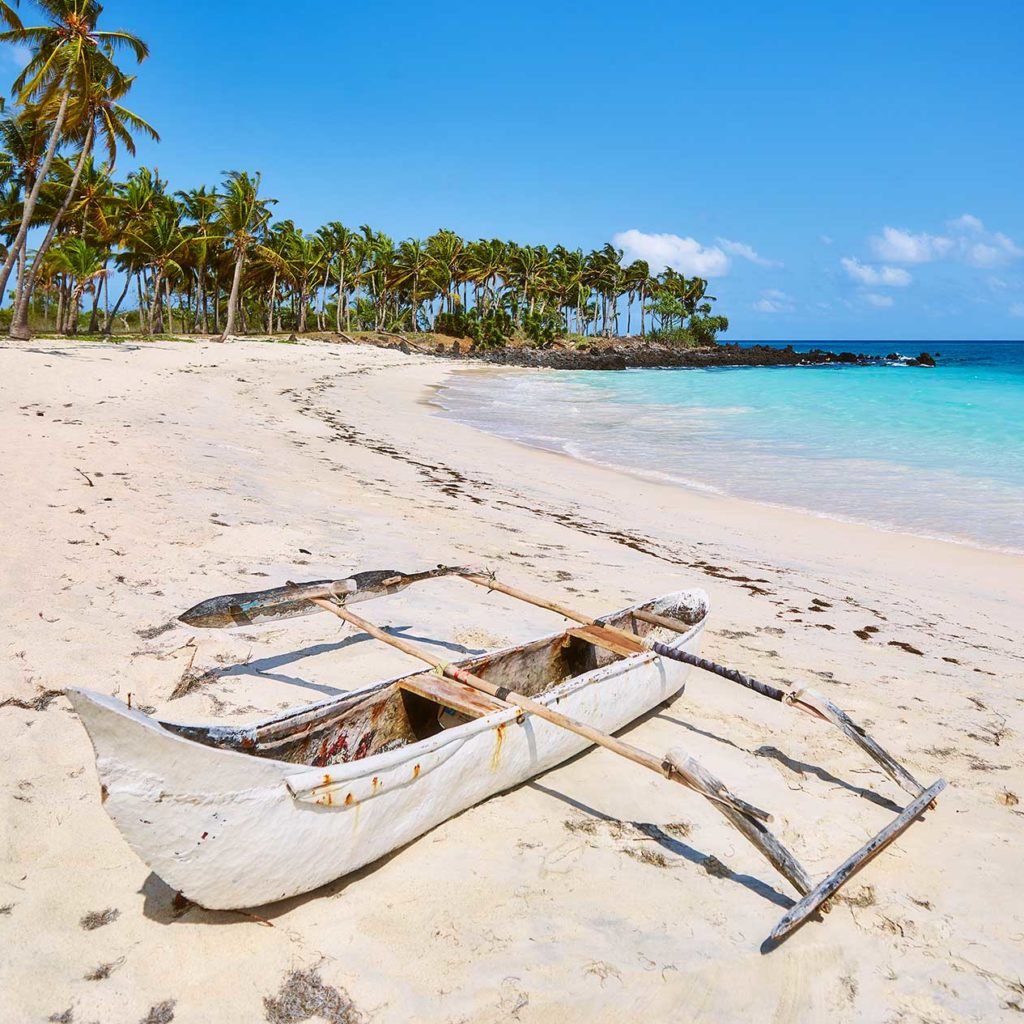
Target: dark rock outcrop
x,y
626,353
631,354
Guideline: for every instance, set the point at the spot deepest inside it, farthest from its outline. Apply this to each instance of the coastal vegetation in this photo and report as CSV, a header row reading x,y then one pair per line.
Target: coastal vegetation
x,y
90,252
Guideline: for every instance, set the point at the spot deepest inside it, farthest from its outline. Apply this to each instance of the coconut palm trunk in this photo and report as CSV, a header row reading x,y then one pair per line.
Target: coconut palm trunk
x,y
236,282
33,196
94,315
156,313
20,329
111,314
341,295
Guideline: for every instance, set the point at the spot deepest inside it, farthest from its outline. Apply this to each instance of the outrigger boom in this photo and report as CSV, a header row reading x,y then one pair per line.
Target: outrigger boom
x,y
333,596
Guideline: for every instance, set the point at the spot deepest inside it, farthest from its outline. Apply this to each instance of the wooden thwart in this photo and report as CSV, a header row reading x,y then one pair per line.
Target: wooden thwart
x,y
451,694
610,640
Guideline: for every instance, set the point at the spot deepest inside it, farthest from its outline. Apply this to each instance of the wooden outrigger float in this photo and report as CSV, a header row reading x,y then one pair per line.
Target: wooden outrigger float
x,y
239,816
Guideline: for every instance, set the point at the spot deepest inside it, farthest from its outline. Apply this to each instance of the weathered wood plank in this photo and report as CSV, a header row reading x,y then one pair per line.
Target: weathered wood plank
x,y
451,694
610,640
831,885
841,720
743,816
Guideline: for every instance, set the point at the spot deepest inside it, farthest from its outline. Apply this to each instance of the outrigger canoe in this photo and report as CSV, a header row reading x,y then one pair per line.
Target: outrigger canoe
x,y
237,817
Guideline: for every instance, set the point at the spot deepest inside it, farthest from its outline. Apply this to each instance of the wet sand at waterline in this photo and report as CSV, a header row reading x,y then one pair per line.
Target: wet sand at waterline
x,y
137,480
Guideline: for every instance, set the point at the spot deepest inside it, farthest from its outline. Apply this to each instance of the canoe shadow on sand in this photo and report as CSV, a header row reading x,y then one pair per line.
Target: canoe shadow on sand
x,y
798,767
264,668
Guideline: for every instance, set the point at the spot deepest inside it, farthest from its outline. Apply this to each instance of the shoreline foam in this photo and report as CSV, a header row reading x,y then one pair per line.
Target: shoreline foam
x,y
573,449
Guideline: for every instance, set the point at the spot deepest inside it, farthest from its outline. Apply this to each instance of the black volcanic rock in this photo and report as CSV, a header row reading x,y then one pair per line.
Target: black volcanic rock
x,y
633,354
625,353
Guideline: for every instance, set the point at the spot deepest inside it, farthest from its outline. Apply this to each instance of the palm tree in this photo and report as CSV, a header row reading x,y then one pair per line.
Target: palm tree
x,y
200,207
8,17
413,267
485,261
636,279
339,241
156,245
133,203
69,55
303,258
94,112
445,249
24,138
242,216
85,265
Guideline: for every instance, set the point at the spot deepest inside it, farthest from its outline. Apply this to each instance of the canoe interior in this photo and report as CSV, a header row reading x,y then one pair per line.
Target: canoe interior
x,y
385,717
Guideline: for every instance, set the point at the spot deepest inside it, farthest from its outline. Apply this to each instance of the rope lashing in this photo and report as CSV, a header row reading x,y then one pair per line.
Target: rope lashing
x,y
719,670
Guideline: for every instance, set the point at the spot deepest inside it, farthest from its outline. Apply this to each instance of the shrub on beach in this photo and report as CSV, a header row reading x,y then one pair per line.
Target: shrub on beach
x,y
488,330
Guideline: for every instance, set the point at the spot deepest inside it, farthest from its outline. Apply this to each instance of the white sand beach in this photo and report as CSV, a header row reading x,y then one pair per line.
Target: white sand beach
x,y
137,479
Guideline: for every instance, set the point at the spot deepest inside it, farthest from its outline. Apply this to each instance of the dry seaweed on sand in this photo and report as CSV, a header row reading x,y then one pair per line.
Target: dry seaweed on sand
x,y
646,855
152,632
677,828
38,703
104,971
191,679
863,897
304,995
98,918
587,825
162,1013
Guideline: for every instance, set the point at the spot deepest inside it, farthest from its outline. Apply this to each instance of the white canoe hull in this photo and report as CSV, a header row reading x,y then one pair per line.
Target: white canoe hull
x,y
232,830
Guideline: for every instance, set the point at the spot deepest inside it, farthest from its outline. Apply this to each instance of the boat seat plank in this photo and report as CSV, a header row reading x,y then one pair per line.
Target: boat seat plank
x,y
609,639
452,694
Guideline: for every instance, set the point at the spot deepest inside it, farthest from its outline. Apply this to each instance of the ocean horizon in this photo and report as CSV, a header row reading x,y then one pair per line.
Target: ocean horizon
x,y
932,452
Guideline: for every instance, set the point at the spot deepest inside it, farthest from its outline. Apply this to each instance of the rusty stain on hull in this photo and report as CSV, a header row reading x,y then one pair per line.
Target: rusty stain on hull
x,y
499,739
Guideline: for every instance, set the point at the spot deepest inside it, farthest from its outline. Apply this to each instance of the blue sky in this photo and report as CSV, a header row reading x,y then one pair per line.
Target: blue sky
x,y
837,169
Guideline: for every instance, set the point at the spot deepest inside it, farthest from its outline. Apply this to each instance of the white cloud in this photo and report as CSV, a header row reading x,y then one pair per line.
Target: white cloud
x,y
998,249
967,240
893,277
746,252
878,301
826,239
773,301
1017,309
966,222
686,255
903,247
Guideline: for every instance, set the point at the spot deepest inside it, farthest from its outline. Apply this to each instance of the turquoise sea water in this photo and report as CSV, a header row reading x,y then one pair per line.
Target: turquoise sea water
x,y
933,452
